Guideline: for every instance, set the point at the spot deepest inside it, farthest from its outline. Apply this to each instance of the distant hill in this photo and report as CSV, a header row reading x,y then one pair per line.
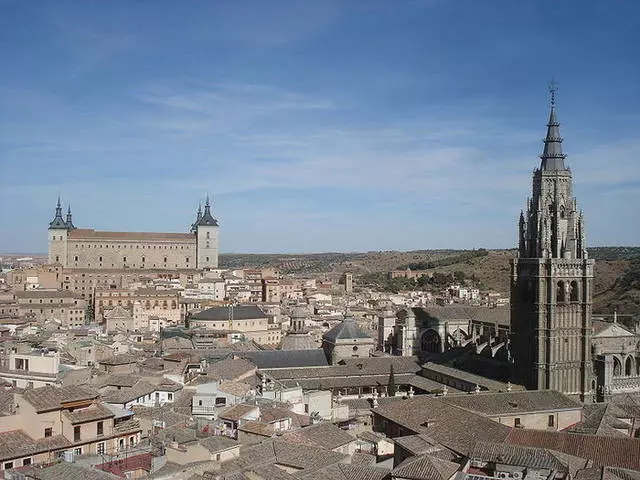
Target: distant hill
x,y
616,286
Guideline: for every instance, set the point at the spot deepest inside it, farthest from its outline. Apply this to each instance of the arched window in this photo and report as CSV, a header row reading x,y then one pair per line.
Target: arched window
x,y
431,342
628,366
574,292
617,367
560,292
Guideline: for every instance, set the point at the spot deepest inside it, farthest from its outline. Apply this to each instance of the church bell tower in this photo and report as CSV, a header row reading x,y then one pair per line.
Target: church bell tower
x,y
552,280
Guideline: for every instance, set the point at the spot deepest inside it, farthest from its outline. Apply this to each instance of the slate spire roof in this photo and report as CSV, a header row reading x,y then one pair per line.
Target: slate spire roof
x,y
552,156
69,221
206,220
58,222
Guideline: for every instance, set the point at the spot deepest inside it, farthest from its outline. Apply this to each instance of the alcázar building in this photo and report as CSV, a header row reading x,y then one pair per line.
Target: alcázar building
x,y
86,248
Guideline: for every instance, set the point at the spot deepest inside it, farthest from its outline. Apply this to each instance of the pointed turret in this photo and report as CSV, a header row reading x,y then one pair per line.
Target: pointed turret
x,y
198,217
69,221
58,221
552,156
206,220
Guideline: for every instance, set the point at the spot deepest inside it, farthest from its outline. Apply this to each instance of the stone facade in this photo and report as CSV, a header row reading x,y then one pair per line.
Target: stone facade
x,y
74,247
552,281
66,308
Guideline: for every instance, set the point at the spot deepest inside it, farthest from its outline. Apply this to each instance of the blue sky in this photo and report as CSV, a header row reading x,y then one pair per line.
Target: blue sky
x,y
316,126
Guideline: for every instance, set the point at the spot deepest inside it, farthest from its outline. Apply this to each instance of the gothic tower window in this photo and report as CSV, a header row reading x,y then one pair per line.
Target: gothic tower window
x,y
560,292
574,293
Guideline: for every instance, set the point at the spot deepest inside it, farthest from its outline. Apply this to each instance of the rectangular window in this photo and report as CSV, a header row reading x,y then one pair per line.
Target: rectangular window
x,y
77,451
8,465
516,422
48,432
26,461
552,421
76,433
100,448
100,428
170,396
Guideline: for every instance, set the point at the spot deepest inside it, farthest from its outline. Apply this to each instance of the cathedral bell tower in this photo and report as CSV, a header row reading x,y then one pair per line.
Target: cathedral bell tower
x,y
552,280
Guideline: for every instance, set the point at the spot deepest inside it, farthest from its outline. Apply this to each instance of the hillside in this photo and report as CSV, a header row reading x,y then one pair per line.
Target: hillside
x,y
616,284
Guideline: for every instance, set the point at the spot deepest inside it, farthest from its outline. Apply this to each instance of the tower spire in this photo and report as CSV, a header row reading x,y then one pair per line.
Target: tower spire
x,y
552,156
69,221
58,221
206,219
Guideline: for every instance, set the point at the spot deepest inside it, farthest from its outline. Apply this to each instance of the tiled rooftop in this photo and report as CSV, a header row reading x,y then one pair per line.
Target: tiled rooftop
x,y
505,403
51,398
89,414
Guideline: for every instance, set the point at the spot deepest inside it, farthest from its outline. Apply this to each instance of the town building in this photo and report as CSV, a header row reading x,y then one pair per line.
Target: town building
x,y
66,308
33,369
347,340
49,421
247,321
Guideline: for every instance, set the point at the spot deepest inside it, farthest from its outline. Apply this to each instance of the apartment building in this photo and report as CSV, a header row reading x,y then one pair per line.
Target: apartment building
x,y
31,370
52,421
67,308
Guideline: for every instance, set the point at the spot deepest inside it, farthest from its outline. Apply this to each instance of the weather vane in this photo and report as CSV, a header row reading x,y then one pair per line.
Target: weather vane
x,y
553,89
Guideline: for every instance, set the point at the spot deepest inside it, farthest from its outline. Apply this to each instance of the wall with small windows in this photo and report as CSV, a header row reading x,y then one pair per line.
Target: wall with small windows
x,y
550,420
161,254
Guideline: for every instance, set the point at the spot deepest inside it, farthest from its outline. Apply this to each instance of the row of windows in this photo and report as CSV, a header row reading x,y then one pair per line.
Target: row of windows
x,y
159,247
147,304
51,301
10,465
124,260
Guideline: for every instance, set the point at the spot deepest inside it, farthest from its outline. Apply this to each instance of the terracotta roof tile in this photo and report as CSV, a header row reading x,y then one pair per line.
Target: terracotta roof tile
x,y
51,398
603,451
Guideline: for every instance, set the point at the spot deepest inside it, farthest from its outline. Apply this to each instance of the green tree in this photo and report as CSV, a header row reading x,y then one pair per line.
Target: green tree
x,y
459,276
391,387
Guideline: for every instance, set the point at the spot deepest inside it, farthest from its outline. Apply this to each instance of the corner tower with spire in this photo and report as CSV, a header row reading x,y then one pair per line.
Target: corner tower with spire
x,y
206,230
58,230
552,280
